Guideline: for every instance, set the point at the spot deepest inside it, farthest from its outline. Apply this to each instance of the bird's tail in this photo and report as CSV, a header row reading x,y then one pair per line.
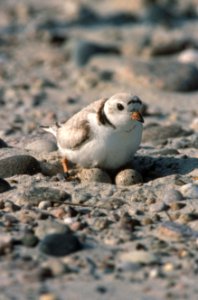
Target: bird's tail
x,y
52,129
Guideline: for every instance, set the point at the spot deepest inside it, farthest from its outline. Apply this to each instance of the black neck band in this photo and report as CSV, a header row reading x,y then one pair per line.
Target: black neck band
x,y
103,118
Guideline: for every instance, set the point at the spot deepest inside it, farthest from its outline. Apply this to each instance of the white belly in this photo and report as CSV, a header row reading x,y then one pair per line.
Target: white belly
x,y
109,150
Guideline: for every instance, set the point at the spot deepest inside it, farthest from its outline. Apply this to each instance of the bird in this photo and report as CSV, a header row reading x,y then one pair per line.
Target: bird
x,y
105,134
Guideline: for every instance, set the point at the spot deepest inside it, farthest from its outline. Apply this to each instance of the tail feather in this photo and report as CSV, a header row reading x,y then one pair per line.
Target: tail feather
x,y
52,129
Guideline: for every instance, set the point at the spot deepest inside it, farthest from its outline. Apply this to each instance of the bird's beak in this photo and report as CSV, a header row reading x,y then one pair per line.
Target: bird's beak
x,y
136,115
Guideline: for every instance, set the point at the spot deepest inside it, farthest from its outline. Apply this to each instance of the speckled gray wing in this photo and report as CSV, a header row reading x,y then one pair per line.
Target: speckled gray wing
x,y
76,131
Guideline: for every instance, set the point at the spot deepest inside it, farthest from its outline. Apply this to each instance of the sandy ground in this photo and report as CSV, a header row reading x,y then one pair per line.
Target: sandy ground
x,y
86,239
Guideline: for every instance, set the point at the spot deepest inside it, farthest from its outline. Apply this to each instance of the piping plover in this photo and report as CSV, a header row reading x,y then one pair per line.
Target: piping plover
x,y
105,134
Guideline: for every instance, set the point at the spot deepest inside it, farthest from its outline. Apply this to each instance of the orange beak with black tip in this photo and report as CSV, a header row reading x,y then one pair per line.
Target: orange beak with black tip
x,y
136,115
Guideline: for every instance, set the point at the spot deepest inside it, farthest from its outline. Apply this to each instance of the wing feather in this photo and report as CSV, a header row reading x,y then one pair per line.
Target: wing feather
x,y
76,130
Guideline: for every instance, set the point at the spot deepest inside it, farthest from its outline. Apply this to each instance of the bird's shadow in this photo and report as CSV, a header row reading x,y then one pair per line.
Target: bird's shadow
x,y
155,167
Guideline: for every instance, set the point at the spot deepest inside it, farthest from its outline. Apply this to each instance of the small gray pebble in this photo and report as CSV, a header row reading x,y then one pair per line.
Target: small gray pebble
x,y
158,207
18,164
44,204
80,197
42,145
172,196
49,226
29,240
95,174
36,194
128,177
190,190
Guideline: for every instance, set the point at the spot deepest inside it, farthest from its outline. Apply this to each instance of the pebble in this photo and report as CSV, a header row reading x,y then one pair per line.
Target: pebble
x,y
3,144
57,267
6,243
158,207
36,194
4,185
48,296
177,205
29,240
44,204
147,221
168,267
128,177
172,196
19,164
139,257
60,244
190,190
84,50
49,226
175,231
194,124
188,56
128,223
94,175
42,145
169,75
155,132
186,218
58,212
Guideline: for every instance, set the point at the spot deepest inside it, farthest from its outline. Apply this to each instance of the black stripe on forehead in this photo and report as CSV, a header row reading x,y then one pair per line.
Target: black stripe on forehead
x,y
134,100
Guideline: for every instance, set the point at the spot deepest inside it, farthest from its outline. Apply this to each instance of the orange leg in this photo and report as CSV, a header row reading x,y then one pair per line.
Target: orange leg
x,y
64,162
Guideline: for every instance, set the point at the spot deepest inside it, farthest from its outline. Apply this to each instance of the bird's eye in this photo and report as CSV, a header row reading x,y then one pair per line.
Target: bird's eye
x,y
120,106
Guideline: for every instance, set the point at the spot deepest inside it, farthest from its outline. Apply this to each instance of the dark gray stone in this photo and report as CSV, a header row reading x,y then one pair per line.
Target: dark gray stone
x,y
84,50
36,194
4,185
155,132
167,75
3,144
60,244
18,164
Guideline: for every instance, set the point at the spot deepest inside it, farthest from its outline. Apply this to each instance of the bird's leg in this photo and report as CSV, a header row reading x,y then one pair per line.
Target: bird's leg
x,y
64,162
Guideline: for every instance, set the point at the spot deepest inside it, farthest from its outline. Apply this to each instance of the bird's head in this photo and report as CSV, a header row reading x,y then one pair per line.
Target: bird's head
x,y
123,110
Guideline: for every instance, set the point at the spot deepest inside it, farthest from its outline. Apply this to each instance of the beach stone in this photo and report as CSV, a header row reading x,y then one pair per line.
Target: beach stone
x,y
60,244
190,190
44,204
36,194
94,174
155,132
172,196
42,145
4,185
194,124
57,267
166,74
138,257
3,144
188,56
128,177
48,296
6,243
175,231
164,44
18,164
49,226
84,50
29,240
158,207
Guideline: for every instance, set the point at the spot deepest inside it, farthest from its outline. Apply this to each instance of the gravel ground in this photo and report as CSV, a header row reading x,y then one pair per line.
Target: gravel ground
x,y
131,234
